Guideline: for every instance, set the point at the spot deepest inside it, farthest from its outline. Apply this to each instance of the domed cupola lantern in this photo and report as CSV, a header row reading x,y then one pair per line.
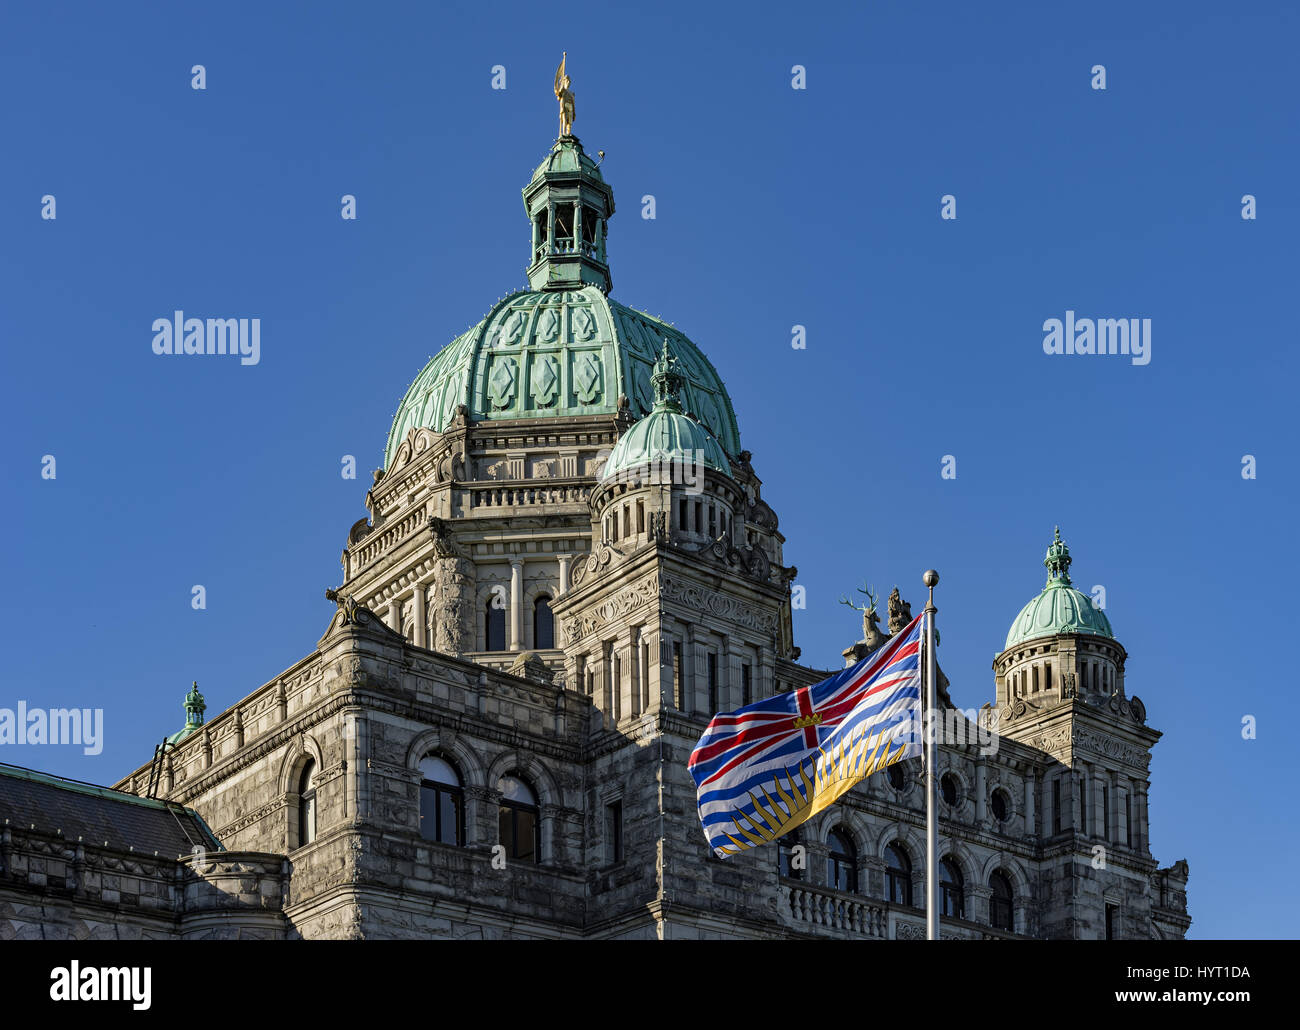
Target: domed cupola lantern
x,y
195,706
1061,645
569,205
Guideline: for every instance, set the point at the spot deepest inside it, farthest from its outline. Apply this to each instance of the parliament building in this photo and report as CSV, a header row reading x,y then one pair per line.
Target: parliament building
x,y
566,567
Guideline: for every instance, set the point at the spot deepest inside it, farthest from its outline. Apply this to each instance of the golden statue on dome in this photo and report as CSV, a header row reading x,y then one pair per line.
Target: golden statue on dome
x,y
565,96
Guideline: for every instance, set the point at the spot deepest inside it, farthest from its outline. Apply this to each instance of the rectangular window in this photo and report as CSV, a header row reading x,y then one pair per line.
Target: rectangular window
x,y
699,517
1047,673
746,685
640,516
681,515
1056,806
1105,812
713,683
1035,679
614,832
1110,922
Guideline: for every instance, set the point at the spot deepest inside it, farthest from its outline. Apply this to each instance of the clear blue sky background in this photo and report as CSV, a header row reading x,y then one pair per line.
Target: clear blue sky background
x,y
775,207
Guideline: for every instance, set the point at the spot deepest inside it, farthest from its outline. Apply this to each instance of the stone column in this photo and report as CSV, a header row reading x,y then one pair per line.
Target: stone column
x,y
635,690
516,603
549,817
419,615
1031,790
1121,824
395,614
1140,828
564,573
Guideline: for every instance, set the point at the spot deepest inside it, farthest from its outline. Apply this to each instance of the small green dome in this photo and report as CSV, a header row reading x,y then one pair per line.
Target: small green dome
x,y
666,436
1059,608
195,706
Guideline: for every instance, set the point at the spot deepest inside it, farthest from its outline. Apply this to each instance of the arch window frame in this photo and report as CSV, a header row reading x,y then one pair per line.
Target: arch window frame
x,y
898,875
444,801
493,617
307,829
1002,902
841,860
514,817
952,889
543,619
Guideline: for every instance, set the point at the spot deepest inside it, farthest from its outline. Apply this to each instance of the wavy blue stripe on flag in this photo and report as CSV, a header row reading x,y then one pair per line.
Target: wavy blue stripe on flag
x,y
763,769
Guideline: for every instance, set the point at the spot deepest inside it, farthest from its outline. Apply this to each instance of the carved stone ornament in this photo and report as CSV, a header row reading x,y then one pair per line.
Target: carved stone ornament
x,y
443,544
599,558
900,612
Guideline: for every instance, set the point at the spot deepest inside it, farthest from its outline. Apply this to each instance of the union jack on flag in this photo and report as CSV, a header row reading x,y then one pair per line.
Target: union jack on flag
x,y
763,769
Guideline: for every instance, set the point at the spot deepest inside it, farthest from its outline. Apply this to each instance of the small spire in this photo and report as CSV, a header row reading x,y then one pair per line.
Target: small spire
x,y
1058,562
667,381
195,706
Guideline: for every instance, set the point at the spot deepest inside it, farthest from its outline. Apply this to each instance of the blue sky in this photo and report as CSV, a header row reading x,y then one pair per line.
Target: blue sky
x,y
775,207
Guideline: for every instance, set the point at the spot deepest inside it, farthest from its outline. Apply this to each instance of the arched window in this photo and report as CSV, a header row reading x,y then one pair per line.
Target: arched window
x,y
543,623
896,777
898,876
520,820
999,805
785,853
948,789
952,897
841,861
442,802
494,626
307,805
1002,903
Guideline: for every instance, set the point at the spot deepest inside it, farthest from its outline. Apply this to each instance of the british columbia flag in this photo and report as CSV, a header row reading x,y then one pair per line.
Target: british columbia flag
x,y
763,769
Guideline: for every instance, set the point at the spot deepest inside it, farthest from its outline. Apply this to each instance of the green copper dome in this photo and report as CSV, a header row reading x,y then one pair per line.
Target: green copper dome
x,y
1059,608
562,348
567,158
544,353
667,435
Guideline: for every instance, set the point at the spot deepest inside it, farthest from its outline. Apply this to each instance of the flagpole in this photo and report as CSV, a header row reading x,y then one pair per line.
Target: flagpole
x,y
931,579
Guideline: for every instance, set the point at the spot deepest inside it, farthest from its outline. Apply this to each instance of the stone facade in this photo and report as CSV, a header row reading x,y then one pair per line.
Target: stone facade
x,y
516,614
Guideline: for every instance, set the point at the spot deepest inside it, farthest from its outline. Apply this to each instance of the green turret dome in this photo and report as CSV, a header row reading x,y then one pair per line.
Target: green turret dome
x,y
1059,608
562,348
567,158
667,435
195,706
